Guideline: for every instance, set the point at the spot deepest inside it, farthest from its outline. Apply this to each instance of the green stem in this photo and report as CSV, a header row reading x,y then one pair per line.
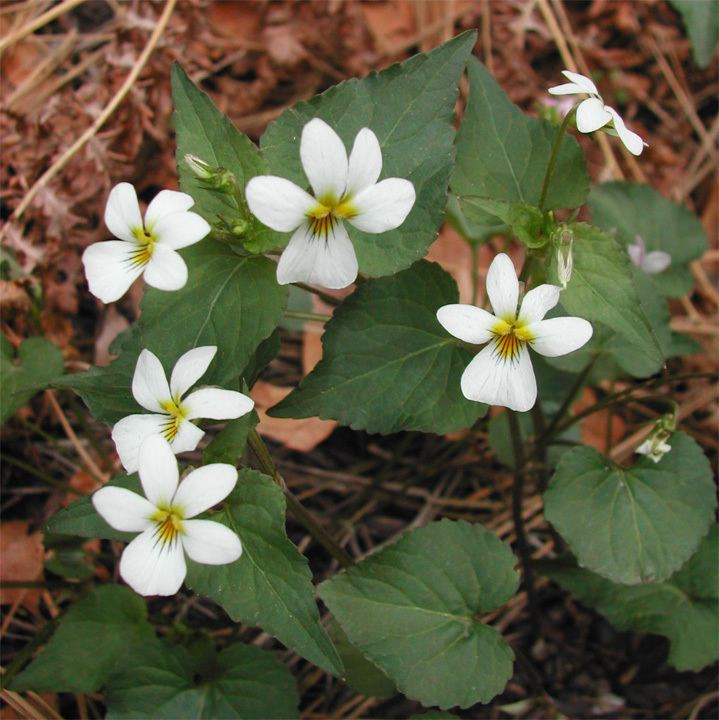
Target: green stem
x,y
567,403
553,157
295,507
296,315
517,501
623,394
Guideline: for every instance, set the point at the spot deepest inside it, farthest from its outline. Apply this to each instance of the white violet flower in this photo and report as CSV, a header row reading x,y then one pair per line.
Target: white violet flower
x,y
148,247
320,251
502,373
172,414
154,562
652,262
593,114
654,448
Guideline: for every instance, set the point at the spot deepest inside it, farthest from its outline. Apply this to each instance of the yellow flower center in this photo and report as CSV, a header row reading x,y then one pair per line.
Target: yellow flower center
x,y
168,524
176,413
328,211
145,247
509,337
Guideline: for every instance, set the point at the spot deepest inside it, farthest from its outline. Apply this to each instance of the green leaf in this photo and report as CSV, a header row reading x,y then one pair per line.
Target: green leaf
x,y
91,639
271,584
701,19
229,444
230,301
503,154
627,210
387,363
81,519
360,674
202,130
602,289
38,362
525,221
684,609
413,608
636,524
163,681
410,108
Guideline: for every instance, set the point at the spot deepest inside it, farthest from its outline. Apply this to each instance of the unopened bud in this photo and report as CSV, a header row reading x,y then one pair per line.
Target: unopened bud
x,y
216,177
199,167
655,445
239,228
563,241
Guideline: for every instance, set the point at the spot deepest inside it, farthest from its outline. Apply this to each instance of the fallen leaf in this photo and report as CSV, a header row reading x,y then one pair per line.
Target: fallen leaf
x,y
594,427
112,325
21,558
303,435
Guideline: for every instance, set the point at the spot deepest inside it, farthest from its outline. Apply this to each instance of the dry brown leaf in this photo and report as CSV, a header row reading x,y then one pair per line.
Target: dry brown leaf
x,y
303,435
112,325
238,20
21,558
389,22
594,428
455,256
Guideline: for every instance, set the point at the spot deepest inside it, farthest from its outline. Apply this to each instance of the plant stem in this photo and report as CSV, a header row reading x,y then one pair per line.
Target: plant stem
x,y
296,508
517,498
567,402
553,157
296,315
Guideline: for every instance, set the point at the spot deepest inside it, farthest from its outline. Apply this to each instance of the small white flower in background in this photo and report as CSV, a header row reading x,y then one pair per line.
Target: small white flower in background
x,y
320,252
593,114
655,445
147,247
172,415
652,262
502,373
154,562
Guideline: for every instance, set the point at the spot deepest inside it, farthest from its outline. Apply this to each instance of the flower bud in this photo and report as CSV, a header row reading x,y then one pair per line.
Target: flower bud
x,y
563,241
216,177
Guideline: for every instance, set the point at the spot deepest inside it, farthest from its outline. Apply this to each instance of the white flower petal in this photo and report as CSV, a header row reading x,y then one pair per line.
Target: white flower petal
x,y
122,212
365,162
592,115
503,287
494,381
165,203
331,263
631,140
181,229
383,206
129,433
656,261
581,81
560,336
123,509
210,542
150,567
277,202
149,384
189,368
566,89
467,322
538,302
203,488
109,269
158,471
187,438
216,404
166,269
324,159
